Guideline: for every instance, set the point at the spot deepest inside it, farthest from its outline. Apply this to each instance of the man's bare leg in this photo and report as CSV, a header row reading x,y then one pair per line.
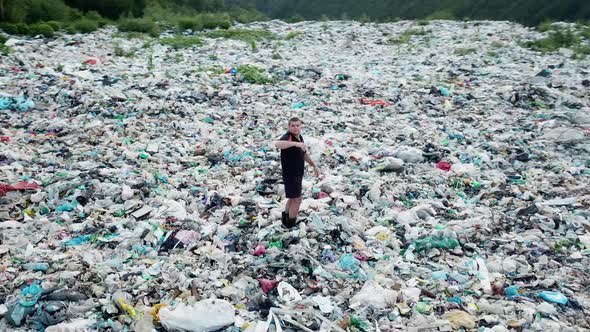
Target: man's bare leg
x,y
294,207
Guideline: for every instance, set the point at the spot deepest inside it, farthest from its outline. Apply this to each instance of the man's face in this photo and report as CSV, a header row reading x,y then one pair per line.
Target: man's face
x,y
295,128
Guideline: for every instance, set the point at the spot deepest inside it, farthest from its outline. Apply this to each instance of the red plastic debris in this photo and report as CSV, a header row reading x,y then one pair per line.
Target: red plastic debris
x,y
91,61
361,258
376,102
322,194
445,166
4,138
4,188
267,285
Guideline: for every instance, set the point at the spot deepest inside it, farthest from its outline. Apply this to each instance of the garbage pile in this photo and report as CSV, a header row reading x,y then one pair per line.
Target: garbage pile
x,y
142,192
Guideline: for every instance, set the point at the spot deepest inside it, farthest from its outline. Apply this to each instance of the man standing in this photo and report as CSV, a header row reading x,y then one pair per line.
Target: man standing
x,y
293,154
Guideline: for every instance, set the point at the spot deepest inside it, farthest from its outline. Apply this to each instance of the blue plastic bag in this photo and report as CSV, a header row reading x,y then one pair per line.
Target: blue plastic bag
x,y
553,297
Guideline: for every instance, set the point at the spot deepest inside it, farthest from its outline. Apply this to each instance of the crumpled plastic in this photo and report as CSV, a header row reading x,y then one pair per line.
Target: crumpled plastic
x,y
455,179
203,316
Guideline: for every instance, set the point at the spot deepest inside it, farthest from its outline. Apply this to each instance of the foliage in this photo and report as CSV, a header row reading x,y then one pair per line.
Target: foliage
x,y
22,29
112,9
464,51
215,70
581,52
406,36
247,35
5,50
41,29
442,15
247,15
364,18
212,21
564,38
45,10
529,12
204,21
145,25
55,25
180,42
253,74
9,28
294,34
554,41
295,18
75,15
85,25
544,26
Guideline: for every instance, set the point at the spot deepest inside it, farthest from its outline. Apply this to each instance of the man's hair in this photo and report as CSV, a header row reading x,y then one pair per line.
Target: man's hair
x,y
294,119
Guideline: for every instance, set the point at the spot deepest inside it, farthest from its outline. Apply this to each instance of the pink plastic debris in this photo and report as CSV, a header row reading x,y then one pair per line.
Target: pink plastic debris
x,y
260,250
445,166
267,285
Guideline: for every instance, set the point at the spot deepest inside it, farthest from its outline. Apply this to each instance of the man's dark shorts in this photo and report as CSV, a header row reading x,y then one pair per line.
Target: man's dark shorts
x,y
293,186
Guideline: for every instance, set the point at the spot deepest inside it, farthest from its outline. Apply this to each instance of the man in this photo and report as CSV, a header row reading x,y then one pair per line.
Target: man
x,y
293,154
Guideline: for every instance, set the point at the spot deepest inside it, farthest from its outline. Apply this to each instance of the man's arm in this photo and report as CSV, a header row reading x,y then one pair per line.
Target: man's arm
x,y
286,144
315,167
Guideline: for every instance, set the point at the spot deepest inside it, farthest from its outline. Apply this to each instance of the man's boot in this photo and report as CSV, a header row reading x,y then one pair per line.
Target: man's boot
x,y
289,222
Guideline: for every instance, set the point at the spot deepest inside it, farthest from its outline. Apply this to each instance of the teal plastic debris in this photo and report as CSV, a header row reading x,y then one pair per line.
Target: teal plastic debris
x,y
17,314
36,266
455,299
553,297
444,91
30,295
298,105
512,292
21,103
66,207
230,156
439,242
545,72
5,103
77,241
439,275
349,263
460,278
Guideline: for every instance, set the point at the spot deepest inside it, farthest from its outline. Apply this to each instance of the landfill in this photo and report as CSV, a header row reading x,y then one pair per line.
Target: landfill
x,y
143,192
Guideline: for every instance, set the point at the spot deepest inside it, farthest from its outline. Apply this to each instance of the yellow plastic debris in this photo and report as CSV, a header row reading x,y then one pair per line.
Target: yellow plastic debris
x,y
156,310
459,319
130,310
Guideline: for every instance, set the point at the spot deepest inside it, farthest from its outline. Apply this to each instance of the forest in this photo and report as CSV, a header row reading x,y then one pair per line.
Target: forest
x,y
528,12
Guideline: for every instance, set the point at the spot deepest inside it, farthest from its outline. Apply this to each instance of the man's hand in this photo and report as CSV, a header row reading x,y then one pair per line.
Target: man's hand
x,y
303,147
317,172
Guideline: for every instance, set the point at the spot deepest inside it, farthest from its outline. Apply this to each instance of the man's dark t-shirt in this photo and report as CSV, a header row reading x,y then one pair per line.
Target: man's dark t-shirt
x,y
292,160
